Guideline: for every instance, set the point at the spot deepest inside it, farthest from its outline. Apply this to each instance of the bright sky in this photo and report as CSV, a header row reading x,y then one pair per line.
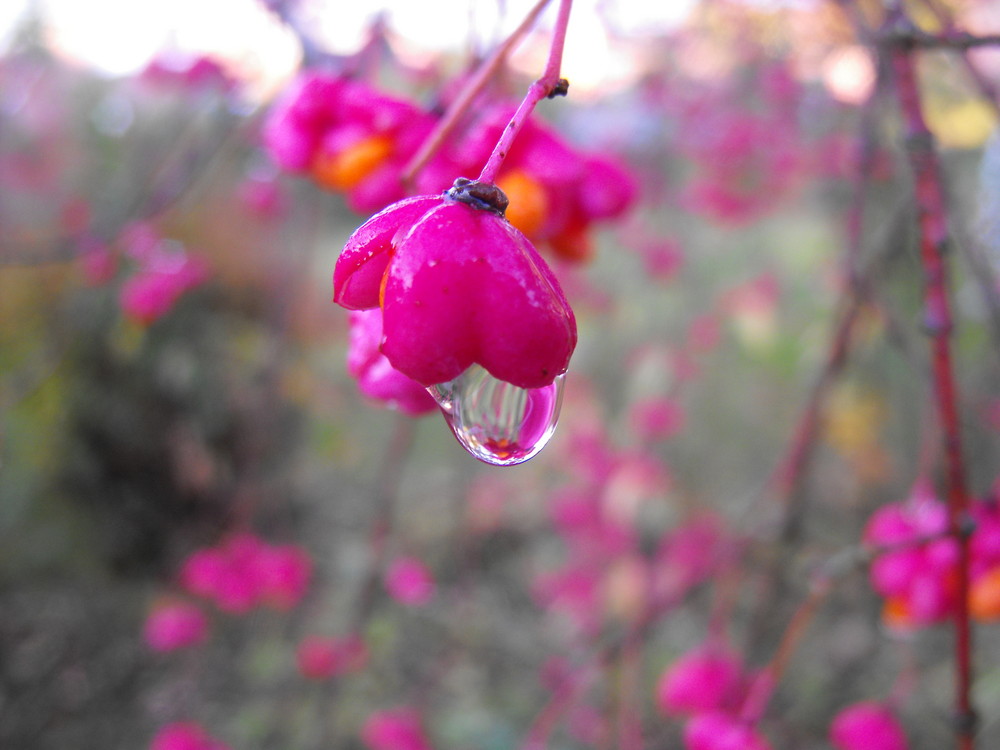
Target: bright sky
x,y
120,36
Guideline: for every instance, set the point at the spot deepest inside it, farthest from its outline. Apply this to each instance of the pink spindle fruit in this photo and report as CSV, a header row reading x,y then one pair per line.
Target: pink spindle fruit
x,y
710,678
868,725
458,285
172,625
722,731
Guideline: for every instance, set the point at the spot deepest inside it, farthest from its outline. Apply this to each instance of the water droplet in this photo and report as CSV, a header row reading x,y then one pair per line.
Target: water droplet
x,y
497,422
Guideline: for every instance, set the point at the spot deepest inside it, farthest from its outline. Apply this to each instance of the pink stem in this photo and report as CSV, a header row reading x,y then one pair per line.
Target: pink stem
x,y
469,92
933,224
546,86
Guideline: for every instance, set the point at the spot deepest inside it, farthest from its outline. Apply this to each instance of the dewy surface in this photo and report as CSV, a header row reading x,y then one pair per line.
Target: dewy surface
x,y
458,286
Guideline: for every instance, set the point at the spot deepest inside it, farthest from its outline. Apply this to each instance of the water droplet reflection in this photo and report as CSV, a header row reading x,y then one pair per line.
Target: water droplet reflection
x,y
495,421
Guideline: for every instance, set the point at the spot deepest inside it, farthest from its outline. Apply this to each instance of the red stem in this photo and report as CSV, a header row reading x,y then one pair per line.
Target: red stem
x,y
544,87
933,226
986,88
791,471
763,686
789,475
629,721
562,699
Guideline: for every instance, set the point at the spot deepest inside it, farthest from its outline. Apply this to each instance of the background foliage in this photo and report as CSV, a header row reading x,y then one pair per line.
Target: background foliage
x,y
128,445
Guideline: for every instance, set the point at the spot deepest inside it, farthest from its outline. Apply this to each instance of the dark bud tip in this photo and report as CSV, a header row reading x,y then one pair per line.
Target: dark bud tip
x,y
560,89
481,195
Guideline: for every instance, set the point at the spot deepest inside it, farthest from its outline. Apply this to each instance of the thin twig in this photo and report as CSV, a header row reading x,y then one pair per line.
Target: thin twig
x,y
934,242
548,86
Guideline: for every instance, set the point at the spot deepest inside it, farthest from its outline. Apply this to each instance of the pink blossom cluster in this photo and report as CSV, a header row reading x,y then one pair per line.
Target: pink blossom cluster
x,y
748,155
556,191
395,729
163,271
718,730
262,195
348,136
322,657
97,262
409,581
185,735
746,164
243,572
597,542
596,515
869,725
187,72
708,686
708,678
352,138
916,573
174,624
917,567
656,418
662,257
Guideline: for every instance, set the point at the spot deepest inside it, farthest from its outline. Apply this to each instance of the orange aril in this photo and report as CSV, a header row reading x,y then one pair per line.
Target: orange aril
x,y
344,169
984,596
528,202
896,614
385,280
573,244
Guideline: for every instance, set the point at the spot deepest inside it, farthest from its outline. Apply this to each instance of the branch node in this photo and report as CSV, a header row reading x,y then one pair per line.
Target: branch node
x,y
964,722
920,142
935,324
966,525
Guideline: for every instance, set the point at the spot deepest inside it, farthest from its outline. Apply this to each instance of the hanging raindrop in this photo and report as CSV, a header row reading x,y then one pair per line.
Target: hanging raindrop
x,y
495,421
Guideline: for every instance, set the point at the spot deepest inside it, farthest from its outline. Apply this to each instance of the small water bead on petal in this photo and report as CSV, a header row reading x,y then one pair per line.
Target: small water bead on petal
x,y
499,423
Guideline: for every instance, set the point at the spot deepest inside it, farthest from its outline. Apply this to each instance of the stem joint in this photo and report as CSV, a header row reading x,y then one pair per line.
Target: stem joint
x,y
965,722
